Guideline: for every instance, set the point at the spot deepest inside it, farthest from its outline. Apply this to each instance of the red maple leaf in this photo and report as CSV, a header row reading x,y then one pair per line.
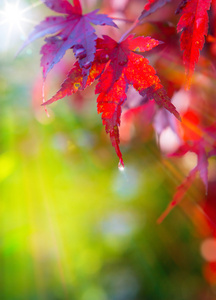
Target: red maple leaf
x,y
204,146
194,26
181,6
73,31
117,66
151,6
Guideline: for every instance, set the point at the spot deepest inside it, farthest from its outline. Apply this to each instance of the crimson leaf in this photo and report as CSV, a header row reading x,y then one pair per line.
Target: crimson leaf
x,y
194,26
151,7
117,66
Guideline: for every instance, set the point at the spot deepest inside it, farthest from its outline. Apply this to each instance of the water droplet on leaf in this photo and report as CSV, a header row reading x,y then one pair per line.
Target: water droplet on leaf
x,y
87,65
80,53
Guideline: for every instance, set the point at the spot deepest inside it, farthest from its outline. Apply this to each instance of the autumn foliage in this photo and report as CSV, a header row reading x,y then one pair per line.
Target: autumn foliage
x,y
118,62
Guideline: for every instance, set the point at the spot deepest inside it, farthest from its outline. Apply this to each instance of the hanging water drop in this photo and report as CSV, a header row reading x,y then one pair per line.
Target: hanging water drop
x,y
121,166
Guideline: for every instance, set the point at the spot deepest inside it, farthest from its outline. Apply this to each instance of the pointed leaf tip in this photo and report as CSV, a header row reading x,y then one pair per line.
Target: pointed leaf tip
x,y
180,193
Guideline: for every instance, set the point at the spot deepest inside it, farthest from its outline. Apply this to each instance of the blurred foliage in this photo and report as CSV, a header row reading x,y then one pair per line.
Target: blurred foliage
x,y
72,225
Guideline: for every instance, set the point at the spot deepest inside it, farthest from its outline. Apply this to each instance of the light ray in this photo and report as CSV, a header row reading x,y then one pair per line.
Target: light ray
x,y
14,17
29,21
7,41
32,6
22,31
3,22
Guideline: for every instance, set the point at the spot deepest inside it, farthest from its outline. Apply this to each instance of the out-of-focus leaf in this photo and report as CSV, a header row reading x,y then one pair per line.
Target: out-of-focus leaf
x,y
151,7
194,26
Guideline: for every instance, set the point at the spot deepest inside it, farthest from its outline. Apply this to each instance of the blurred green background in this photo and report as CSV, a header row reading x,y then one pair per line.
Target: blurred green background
x,y
72,226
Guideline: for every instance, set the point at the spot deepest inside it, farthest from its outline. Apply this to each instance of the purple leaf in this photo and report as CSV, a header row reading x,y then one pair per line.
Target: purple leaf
x,y
73,31
49,26
49,52
100,19
60,6
163,120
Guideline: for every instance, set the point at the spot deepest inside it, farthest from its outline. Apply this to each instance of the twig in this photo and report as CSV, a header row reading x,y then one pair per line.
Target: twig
x,y
134,25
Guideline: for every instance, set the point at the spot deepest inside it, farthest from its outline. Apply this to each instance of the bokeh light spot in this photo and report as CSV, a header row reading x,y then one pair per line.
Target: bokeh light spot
x,y
208,249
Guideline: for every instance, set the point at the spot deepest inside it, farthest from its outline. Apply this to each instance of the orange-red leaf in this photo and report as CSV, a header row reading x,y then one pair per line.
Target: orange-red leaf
x,y
75,82
127,68
118,65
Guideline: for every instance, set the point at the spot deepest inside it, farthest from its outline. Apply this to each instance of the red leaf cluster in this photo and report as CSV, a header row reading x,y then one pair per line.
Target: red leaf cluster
x,y
194,26
117,66
119,63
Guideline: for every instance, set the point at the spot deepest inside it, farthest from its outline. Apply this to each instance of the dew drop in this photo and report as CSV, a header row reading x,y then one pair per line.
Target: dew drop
x,y
121,166
80,53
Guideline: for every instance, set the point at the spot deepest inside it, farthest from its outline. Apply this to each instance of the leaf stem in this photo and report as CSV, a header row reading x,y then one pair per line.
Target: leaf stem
x,y
134,25
123,20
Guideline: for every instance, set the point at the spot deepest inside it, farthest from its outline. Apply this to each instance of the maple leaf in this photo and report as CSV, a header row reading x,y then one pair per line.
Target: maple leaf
x,y
151,7
181,191
73,31
194,26
117,66
181,6
164,120
204,148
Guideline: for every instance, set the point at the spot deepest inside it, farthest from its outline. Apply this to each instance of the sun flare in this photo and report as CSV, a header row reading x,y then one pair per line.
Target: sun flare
x,y
12,14
14,19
